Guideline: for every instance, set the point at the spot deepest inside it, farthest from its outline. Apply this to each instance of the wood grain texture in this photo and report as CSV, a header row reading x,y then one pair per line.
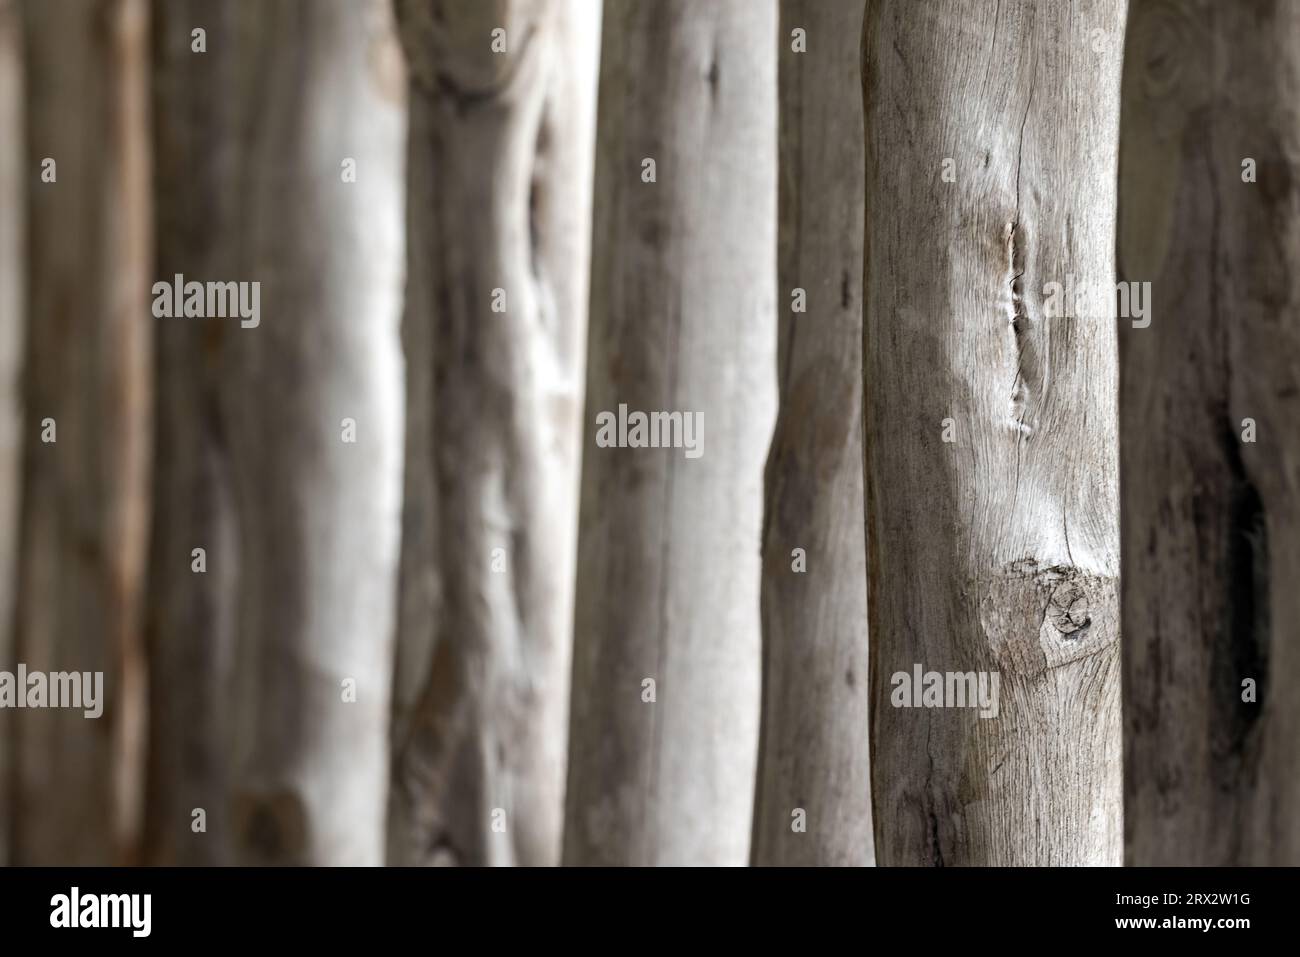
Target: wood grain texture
x,y
682,319
13,202
814,745
1211,532
318,518
191,618
84,514
500,168
998,551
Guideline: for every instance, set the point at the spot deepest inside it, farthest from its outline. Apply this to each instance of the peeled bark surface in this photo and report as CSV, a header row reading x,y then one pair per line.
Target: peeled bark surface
x,y
1211,523
190,624
995,552
84,512
500,167
682,320
318,516
13,203
814,751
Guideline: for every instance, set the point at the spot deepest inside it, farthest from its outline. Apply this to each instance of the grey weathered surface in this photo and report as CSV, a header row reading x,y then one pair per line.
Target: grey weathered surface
x,y
13,203
84,526
500,167
813,751
999,551
1211,528
318,519
682,320
190,618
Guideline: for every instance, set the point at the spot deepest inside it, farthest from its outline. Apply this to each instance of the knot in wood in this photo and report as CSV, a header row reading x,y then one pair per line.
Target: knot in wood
x,y
1068,609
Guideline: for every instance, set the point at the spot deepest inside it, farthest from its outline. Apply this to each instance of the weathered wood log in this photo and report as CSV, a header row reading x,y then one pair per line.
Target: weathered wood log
x,y
990,428
12,309
86,437
813,802
665,681
1209,215
500,164
311,416
193,598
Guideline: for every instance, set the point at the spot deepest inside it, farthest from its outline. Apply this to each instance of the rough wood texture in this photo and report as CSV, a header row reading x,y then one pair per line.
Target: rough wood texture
x,y
500,167
84,526
814,747
997,552
190,624
1211,524
13,203
318,81
682,320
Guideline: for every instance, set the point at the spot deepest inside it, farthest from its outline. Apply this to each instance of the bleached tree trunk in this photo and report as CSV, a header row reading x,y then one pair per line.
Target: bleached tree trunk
x,y
318,515
191,616
813,802
500,167
1209,215
14,202
990,427
683,321
84,513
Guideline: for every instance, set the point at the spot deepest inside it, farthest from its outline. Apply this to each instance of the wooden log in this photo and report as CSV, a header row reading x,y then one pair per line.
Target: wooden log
x,y
1209,197
990,428
500,195
84,522
311,408
813,802
12,311
682,320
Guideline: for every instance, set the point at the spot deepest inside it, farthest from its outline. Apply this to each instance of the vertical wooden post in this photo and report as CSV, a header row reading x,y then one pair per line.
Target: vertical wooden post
x,y
1209,217
500,165
990,428
84,518
664,718
813,803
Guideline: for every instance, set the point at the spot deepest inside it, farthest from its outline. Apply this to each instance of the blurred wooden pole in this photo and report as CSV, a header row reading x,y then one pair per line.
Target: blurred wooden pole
x,y
992,534
191,616
84,513
1209,209
13,202
665,703
813,801
311,411
499,215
